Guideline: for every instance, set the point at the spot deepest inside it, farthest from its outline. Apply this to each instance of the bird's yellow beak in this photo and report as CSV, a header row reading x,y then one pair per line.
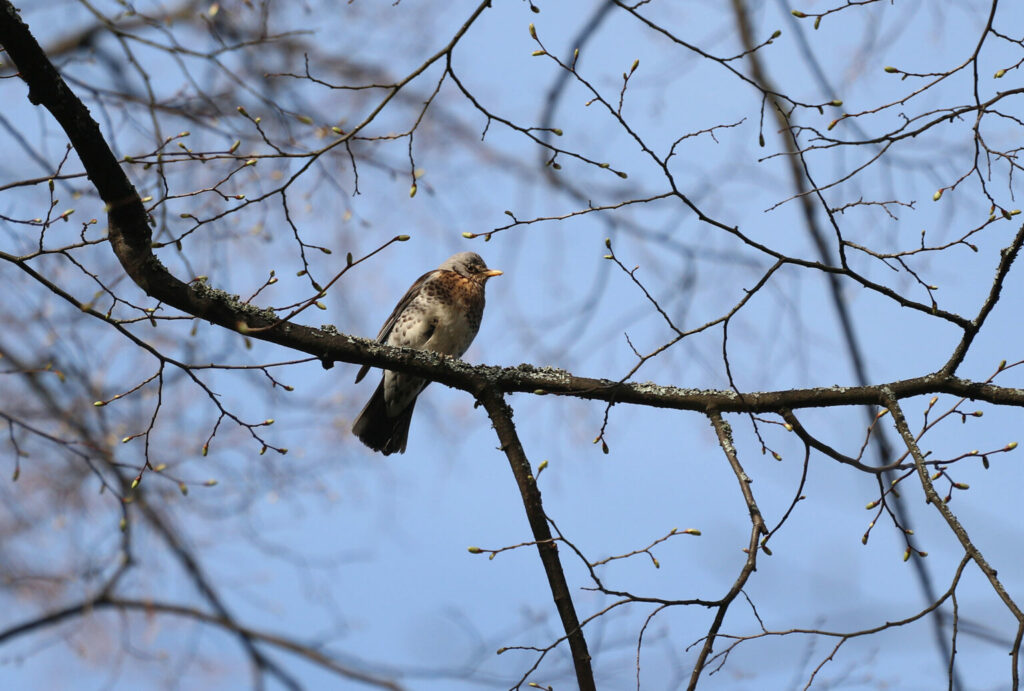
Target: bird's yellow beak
x,y
490,273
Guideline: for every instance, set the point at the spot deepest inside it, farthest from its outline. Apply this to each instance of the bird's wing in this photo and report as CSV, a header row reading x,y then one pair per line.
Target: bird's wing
x,y
385,330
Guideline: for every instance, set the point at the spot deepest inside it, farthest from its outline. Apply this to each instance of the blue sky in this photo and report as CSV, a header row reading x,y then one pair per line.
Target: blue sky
x,y
368,554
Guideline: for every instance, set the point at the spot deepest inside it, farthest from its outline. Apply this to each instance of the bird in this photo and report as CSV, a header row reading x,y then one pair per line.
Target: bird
x,y
441,313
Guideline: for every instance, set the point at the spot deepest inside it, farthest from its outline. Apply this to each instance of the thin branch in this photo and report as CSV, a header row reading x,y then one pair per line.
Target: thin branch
x,y
933,498
724,433
149,607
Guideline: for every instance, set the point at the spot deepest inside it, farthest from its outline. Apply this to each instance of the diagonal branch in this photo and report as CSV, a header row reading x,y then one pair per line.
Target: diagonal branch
x,y
1007,255
501,417
724,433
933,498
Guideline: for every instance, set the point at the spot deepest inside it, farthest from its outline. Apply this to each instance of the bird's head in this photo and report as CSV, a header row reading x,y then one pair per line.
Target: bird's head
x,y
469,265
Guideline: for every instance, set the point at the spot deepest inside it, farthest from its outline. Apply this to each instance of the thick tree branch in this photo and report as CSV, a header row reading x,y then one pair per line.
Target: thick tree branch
x,y
130,238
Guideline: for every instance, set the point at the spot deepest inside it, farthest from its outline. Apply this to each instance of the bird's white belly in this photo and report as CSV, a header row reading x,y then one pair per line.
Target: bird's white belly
x,y
437,330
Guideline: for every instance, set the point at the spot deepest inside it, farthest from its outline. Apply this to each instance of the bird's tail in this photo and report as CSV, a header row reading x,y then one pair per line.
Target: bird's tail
x,y
379,431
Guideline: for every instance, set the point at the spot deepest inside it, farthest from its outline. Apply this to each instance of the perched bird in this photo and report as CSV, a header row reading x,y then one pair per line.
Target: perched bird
x,y
440,313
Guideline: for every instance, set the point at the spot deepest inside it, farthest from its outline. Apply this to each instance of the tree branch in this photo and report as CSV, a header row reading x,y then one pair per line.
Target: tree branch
x,y
501,417
935,500
724,434
107,601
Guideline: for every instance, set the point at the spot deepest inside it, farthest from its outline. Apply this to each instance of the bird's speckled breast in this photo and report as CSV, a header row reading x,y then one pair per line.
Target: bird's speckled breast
x,y
464,309
443,318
